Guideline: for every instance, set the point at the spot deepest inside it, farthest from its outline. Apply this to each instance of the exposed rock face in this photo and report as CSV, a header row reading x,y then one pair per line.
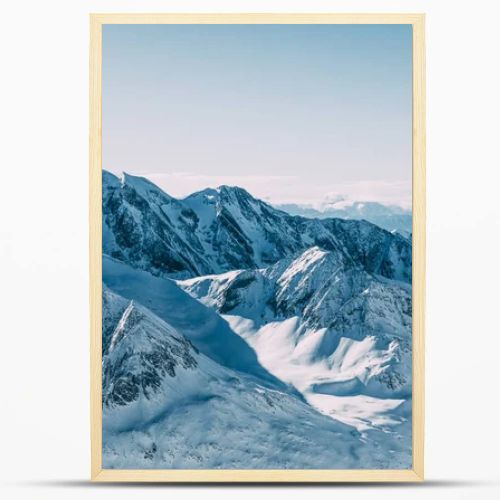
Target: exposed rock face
x,y
323,288
140,352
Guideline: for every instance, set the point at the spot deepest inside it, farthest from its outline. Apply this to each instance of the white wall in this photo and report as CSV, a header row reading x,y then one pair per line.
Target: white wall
x,y
44,449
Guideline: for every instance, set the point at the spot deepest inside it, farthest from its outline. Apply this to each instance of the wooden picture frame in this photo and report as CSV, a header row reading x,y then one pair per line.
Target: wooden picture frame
x,y
418,244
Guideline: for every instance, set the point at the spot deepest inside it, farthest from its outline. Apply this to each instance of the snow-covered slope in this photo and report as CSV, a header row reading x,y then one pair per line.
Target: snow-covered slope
x,y
237,335
325,326
218,230
167,405
141,352
201,325
321,287
390,217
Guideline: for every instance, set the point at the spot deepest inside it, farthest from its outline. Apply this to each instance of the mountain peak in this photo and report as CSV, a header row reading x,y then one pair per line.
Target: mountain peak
x,y
221,194
207,193
109,179
142,185
224,188
312,259
136,180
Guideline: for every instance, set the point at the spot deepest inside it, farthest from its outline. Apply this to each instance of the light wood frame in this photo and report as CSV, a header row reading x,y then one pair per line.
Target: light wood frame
x,y
298,476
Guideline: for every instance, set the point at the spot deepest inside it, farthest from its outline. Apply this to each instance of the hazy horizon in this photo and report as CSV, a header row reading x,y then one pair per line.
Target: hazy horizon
x,y
292,113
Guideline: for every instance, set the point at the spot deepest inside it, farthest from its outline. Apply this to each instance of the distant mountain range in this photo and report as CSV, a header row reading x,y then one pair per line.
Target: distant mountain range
x,y
236,335
390,217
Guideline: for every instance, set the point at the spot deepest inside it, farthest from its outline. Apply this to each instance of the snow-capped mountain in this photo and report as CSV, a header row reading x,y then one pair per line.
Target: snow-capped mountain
x,y
322,324
204,327
237,335
145,227
139,352
218,230
390,217
321,287
166,405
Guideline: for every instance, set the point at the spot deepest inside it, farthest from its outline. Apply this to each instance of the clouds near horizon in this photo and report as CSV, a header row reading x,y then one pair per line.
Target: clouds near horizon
x,y
290,112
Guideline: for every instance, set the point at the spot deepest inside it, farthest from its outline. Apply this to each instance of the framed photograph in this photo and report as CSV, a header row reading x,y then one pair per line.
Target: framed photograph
x,y
257,247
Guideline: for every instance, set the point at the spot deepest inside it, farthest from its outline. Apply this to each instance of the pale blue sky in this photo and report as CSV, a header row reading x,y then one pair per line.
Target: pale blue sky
x,y
293,113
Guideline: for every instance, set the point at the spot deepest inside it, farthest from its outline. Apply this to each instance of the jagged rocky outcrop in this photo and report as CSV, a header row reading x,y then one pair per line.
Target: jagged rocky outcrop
x,y
140,351
323,288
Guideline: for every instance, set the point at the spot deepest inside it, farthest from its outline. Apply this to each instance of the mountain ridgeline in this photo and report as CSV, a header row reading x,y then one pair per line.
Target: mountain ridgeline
x,y
218,230
390,217
236,335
